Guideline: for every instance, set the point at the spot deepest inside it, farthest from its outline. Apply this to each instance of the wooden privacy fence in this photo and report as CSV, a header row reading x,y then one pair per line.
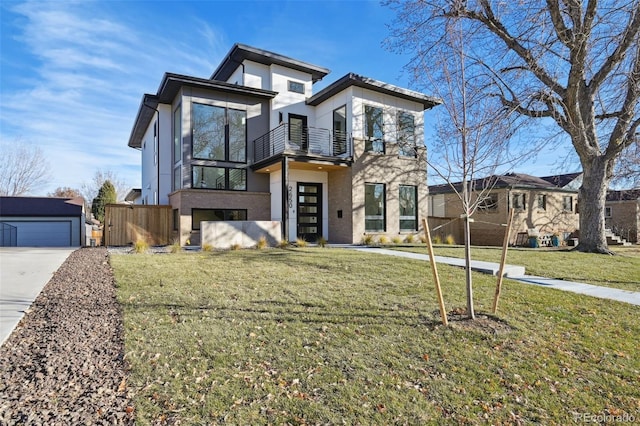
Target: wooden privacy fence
x,y
125,224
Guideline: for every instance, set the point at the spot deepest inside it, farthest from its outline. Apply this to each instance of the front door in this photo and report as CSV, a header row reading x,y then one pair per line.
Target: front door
x,y
309,211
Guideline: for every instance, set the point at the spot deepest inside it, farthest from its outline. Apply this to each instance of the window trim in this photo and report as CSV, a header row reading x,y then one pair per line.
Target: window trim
x,y
543,205
519,195
564,203
292,86
415,209
369,140
227,180
384,208
227,134
404,148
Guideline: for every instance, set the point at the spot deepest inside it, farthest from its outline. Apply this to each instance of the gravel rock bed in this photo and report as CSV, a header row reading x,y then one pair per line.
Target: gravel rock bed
x,y
64,363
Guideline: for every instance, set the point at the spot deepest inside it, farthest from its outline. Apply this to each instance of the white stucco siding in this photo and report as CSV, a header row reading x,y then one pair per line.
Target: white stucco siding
x,y
390,106
165,138
324,111
287,102
275,187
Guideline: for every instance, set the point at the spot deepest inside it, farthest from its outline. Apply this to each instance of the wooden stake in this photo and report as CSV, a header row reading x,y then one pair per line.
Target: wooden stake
x,y
505,246
432,259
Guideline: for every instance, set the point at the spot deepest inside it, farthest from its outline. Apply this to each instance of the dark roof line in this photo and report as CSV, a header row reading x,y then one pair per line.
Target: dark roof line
x,y
169,87
239,52
352,79
510,180
41,206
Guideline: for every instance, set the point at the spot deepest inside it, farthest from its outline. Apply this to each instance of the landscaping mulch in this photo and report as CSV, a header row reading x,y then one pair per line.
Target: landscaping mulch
x,y
64,363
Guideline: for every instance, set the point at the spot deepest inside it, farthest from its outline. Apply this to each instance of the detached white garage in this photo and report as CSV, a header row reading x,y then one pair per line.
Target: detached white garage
x,y
41,222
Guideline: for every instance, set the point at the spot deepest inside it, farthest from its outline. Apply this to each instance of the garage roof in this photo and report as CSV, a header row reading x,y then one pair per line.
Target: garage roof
x,y
41,206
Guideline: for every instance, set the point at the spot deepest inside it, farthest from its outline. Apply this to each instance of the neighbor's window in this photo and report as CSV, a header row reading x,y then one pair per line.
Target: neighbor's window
x,y
213,215
607,212
406,135
219,178
489,203
408,208
177,135
519,201
542,202
567,203
296,87
373,129
219,133
374,205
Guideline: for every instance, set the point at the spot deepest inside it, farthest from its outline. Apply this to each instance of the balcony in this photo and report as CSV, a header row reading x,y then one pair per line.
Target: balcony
x,y
309,141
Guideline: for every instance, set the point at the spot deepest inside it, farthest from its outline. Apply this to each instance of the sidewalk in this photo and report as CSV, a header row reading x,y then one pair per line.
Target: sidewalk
x,y
517,273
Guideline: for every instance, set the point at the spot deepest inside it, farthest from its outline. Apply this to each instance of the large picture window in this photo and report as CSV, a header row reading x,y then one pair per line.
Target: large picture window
x,y
406,135
219,133
374,206
205,177
373,129
213,215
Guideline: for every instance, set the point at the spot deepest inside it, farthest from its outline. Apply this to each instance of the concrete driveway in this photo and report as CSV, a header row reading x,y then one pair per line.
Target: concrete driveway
x,y
24,271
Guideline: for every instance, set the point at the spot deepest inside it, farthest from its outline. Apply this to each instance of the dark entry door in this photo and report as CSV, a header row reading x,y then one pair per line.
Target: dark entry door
x,y
309,211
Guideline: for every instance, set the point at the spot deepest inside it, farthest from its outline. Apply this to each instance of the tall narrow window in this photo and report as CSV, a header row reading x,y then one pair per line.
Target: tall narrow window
x,y
177,178
373,129
177,135
340,130
237,136
406,135
374,206
408,208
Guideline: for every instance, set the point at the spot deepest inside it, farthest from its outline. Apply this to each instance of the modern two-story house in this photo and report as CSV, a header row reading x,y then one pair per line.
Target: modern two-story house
x,y
254,142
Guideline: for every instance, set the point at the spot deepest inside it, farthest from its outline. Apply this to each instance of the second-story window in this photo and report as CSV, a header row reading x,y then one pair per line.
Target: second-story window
x,y
296,87
373,129
519,202
219,133
406,135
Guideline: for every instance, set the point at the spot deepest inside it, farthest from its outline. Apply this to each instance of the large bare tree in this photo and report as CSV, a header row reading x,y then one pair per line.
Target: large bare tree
x,y
571,63
23,168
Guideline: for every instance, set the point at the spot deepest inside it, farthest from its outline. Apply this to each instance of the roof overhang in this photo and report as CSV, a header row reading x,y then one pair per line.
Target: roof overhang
x,y
168,90
352,79
241,52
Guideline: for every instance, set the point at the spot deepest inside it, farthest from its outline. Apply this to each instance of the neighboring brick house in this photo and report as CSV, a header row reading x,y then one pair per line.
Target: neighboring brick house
x,y
253,142
622,214
547,204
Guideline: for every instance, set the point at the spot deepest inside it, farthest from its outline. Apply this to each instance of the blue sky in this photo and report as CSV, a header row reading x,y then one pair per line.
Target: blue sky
x,y
73,72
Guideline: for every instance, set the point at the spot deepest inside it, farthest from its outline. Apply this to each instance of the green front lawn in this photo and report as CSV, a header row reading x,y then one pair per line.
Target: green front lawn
x,y
331,336
621,271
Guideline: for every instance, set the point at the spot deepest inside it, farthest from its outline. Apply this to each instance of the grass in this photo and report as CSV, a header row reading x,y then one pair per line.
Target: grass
x,y
621,271
331,336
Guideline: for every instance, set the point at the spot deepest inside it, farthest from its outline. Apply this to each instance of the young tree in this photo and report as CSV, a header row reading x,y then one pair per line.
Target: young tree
x,y
23,169
90,190
574,63
106,195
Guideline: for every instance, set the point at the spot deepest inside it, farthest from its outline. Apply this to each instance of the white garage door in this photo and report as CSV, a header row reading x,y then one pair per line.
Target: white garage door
x,y
43,233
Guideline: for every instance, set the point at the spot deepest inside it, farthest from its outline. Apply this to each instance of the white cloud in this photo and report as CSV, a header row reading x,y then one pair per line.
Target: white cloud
x,y
87,71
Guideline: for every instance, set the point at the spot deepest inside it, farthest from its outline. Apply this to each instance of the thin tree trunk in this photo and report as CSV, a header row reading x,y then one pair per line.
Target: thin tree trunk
x,y
591,200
